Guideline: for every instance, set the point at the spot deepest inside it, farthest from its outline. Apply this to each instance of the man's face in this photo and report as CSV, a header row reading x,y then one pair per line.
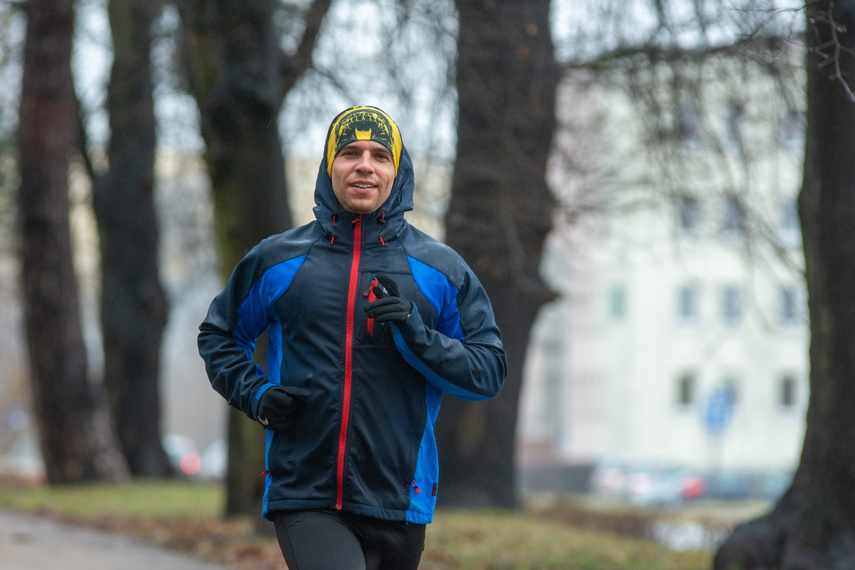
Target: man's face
x,y
362,176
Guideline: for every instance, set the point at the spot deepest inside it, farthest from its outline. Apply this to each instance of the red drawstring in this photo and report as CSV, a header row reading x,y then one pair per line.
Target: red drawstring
x,y
380,223
334,220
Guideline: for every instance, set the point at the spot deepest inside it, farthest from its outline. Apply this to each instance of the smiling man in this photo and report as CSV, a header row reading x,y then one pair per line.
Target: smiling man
x,y
371,322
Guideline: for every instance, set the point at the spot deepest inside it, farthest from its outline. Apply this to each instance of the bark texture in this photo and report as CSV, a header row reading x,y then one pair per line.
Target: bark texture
x,y
499,215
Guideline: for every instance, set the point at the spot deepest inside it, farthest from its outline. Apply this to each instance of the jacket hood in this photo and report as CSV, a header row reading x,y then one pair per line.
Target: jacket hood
x,y
391,213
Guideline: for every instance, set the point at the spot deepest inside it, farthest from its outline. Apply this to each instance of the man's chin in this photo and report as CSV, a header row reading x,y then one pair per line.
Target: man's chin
x,y
361,207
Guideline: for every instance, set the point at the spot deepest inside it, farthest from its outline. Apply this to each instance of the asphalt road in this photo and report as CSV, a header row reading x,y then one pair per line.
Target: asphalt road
x,y
34,543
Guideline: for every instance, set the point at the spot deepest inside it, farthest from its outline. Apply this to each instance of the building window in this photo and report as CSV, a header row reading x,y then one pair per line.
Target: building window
x,y
735,119
733,219
790,216
689,214
789,306
731,389
617,302
731,306
790,229
686,390
689,123
787,392
793,125
687,305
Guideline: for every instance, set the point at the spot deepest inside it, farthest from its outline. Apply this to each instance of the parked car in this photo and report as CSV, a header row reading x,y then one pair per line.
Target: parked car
x,y
736,484
608,478
664,486
183,454
732,485
647,484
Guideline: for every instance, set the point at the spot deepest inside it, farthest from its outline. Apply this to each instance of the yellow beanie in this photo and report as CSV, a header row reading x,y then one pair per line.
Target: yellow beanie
x,y
363,124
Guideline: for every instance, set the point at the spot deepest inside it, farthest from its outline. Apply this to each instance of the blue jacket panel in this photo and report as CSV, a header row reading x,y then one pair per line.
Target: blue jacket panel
x,y
365,443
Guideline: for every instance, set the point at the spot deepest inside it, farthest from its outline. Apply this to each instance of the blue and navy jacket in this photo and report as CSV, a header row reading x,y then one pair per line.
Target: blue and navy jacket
x,y
365,442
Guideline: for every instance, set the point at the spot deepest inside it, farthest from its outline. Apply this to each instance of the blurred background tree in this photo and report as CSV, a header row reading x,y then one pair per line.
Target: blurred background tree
x,y
812,524
75,431
133,302
499,214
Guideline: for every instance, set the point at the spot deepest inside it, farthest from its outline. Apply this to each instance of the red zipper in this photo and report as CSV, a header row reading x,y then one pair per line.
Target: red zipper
x,y
348,358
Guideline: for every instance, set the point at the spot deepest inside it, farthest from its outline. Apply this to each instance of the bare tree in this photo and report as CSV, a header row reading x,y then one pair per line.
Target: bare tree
x,y
498,218
812,525
133,302
77,439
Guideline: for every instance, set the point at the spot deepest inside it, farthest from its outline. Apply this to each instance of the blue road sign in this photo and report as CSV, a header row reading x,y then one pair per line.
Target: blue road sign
x,y
719,410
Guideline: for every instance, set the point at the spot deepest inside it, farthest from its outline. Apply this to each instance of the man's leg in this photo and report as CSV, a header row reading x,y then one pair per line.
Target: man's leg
x,y
391,545
317,540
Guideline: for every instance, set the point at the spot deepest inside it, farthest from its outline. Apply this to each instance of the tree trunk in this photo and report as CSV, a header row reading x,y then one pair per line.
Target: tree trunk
x,y
239,78
813,525
133,303
76,435
498,218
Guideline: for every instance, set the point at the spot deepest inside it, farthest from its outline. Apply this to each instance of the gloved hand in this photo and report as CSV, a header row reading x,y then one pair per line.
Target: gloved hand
x,y
389,307
280,406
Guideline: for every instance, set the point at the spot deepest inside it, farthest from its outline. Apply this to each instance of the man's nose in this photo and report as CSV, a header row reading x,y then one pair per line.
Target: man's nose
x,y
364,162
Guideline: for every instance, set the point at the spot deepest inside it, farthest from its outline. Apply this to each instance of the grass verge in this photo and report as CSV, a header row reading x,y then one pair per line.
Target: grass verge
x,y
184,517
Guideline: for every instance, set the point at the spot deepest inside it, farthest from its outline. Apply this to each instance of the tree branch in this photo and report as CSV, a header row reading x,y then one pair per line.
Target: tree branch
x,y
658,53
293,66
836,47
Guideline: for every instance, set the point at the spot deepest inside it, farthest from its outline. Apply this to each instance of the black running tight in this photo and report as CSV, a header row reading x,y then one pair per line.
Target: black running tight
x,y
333,540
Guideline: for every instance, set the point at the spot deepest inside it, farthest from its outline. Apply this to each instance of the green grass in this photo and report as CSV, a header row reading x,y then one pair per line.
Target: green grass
x,y
510,540
185,516
157,499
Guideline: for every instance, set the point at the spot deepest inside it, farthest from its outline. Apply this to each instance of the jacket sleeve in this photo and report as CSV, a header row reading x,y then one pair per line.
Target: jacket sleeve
x,y
227,336
463,356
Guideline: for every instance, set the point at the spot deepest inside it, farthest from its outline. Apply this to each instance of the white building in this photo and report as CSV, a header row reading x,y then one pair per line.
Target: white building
x,y
691,286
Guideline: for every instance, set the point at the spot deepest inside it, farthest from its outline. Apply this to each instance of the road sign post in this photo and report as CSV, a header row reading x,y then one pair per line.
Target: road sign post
x,y
717,416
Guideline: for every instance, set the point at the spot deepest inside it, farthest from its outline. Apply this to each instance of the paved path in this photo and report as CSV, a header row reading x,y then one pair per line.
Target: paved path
x,y
35,543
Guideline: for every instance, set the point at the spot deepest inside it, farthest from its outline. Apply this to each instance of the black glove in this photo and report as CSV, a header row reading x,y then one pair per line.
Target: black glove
x,y
280,406
389,307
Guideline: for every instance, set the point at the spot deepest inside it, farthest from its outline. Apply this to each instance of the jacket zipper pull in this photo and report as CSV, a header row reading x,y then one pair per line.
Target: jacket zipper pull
x,y
416,487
